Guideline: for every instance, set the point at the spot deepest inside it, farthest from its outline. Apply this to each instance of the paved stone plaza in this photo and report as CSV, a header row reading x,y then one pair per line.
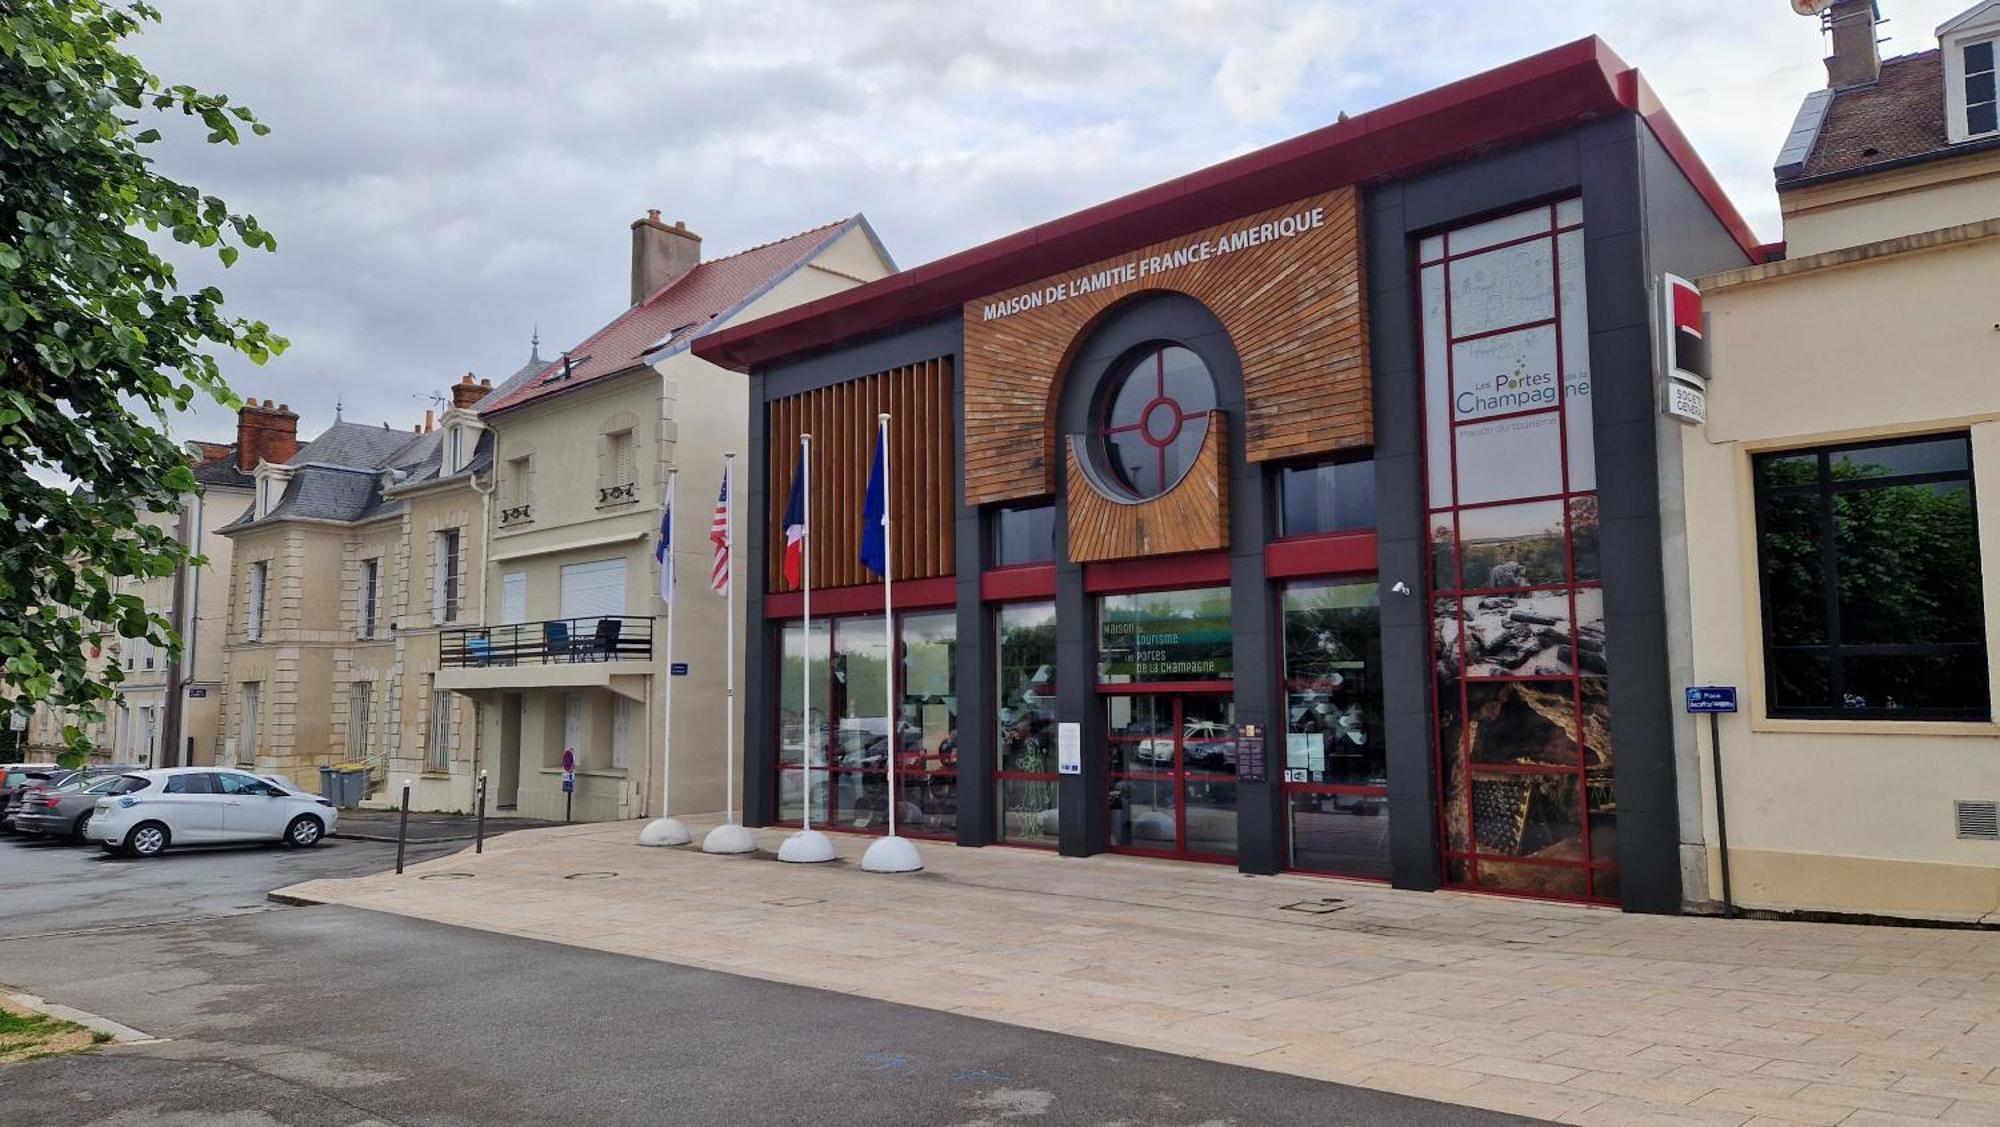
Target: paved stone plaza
x,y
1580,1015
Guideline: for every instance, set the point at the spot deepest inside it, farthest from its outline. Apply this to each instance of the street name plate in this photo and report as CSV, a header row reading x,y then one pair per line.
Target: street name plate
x,y
1711,698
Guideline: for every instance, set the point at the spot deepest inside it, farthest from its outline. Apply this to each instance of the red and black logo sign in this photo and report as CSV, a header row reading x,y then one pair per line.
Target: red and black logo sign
x,y
1687,343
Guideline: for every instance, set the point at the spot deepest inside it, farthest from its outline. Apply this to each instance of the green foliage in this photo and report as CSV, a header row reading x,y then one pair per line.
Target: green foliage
x,y
100,343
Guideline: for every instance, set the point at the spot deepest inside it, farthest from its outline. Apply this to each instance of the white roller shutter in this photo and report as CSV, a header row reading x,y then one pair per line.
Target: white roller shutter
x,y
514,597
592,590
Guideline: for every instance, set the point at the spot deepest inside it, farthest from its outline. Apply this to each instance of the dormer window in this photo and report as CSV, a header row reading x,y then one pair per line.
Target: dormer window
x,y
1982,111
461,440
1970,44
271,482
454,449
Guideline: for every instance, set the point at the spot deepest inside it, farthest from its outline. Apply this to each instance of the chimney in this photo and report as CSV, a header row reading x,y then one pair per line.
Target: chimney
x,y
660,254
465,392
430,420
1857,56
265,432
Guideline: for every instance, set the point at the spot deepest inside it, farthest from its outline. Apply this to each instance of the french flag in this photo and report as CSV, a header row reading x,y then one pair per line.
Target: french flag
x,y
795,526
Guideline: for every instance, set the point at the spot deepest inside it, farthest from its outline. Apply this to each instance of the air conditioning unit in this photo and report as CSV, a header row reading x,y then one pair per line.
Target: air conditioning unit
x,y
1978,821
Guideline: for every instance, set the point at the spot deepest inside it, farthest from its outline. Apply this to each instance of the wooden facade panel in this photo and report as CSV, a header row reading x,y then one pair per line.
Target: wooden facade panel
x,y
1295,309
1193,516
841,420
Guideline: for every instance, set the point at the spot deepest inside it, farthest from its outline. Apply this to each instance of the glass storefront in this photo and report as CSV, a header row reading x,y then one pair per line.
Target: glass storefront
x,y
851,733
1170,752
1025,700
1517,614
1336,765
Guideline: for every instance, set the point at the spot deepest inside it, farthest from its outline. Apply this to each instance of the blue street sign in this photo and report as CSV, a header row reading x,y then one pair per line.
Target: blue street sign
x,y
678,669
569,782
1711,698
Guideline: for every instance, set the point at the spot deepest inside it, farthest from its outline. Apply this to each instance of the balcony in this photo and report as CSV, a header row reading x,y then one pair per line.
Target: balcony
x,y
556,641
516,514
611,495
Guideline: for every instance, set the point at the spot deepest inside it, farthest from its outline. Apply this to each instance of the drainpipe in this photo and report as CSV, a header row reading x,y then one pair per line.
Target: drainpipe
x,y
178,615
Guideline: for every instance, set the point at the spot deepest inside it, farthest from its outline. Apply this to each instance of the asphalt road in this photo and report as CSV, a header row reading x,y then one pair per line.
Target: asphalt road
x,y
326,1015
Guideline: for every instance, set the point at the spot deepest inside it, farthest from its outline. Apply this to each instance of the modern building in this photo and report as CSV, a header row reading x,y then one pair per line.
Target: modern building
x,y
573,656
1300,513
356,552
1840,498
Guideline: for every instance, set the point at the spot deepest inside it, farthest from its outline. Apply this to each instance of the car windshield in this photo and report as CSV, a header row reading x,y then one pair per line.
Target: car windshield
x,y
128,784
71,785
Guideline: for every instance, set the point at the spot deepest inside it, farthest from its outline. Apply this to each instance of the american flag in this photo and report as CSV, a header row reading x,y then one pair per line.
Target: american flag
x,y
718,535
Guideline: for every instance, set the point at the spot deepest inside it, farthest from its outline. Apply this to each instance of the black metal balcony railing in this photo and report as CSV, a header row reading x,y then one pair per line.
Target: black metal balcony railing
x,y
617,637
618,494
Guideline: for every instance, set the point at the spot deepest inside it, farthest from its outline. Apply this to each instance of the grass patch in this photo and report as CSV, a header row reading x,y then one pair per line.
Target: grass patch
x,y
26,1035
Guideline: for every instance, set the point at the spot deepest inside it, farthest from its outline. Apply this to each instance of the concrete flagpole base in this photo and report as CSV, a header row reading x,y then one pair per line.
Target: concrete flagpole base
x,y
665,831
892,855
807,847
729,839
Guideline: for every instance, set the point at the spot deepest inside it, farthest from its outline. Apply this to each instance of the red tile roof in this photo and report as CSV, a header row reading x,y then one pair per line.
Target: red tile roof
x,y
675,313
1898,117
1529,98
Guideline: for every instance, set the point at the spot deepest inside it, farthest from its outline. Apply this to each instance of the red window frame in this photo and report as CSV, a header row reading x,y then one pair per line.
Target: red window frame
x,y
1461,866
1002,776
824,692
1155,354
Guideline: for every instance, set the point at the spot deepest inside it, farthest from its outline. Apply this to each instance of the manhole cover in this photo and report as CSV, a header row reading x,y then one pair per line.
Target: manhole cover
x,y
591,876
794,901
447,876
1316,907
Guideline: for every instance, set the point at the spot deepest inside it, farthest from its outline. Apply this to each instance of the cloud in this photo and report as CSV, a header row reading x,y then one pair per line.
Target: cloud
x,y
445,176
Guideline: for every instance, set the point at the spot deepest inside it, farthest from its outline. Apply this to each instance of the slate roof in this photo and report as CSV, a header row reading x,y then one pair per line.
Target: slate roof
x,y
338,476
1893,120
671,316
221,472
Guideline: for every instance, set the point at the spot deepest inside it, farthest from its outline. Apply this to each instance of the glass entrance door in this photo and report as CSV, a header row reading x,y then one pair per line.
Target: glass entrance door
x,y
1171,761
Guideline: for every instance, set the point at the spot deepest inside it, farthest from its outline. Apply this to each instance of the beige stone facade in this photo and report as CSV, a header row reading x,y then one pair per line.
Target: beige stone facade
x,y
339,586
581,475
1879,324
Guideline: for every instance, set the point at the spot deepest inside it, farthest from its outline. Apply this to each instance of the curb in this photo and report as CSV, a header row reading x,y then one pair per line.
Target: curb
x,y
121,1034
293,901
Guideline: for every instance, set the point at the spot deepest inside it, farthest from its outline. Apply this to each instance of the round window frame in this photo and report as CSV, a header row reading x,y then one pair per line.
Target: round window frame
x,y
1110,470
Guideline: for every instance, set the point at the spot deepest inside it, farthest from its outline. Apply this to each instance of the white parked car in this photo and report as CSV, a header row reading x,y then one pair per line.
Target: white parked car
x,y
147,811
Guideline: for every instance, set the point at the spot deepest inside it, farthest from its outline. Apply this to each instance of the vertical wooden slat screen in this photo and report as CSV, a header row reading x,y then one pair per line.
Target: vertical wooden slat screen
x,y
922,477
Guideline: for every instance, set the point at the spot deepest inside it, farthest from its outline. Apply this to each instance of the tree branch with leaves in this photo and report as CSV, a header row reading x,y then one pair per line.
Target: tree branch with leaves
x,y
101,345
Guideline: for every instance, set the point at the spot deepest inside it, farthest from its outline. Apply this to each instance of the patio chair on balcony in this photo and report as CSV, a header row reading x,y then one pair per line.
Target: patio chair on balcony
x,y
606,645
556,642
478,652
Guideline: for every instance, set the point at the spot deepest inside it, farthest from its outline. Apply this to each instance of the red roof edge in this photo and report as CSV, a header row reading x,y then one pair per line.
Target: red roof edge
x,y
1522,100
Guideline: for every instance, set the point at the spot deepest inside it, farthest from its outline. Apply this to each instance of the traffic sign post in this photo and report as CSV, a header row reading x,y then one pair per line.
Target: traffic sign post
x,y
569,780
1714,700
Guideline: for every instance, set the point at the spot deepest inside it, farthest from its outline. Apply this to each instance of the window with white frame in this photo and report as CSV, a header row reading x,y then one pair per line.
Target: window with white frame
x,y
445,576
576,715
253,699
624,725
437,752
254,599
371,578
1982,109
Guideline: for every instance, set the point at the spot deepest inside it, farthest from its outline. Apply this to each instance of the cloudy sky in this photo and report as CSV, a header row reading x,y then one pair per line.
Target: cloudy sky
x,y
445,175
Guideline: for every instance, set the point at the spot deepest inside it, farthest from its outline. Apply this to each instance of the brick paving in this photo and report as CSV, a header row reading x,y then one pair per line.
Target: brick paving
x,y
1575,1014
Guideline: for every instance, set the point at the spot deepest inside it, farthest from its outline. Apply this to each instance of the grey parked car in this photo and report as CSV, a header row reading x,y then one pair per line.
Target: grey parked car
x,y
62,810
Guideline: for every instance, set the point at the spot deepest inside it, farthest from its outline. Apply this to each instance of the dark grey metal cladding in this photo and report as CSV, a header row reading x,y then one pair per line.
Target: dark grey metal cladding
x,y
1604,162
941,337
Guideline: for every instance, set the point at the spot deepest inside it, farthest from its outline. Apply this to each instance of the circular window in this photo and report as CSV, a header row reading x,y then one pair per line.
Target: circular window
x,y
1154,418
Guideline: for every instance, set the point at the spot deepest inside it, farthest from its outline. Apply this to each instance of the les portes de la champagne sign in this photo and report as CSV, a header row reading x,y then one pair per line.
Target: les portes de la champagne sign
x,y
1138,268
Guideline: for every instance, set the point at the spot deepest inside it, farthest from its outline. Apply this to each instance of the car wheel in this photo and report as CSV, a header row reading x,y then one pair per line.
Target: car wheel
x,y
147,839
82,826
304,832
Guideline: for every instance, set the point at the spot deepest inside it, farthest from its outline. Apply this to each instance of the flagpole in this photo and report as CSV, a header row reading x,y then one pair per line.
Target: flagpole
x,y
808,845
667,829
889,617
892,854
729,837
